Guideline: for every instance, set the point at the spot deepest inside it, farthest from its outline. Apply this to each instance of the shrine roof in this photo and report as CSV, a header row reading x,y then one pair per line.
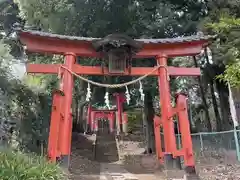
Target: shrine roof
x,y
183,39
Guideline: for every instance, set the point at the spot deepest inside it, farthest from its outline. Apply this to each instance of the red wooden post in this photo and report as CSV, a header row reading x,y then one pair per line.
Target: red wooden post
x,y
95,121
187,146
61,106
111,122
54,127
157,125
125,118
70,59
119,110
93,116
166,108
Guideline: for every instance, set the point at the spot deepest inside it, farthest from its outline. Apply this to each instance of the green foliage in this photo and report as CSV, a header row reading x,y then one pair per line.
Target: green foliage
x,y
5,56
31,111
50,16
228,46
8,15
19,166
225,25
134,119
232,74
27,106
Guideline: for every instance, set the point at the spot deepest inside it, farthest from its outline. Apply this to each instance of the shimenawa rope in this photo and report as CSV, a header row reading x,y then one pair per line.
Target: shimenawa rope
x,y
116,85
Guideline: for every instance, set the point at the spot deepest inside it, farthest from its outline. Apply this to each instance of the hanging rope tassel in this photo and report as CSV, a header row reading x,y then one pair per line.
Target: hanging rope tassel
x,y
128,98
107,102
60,82
59,73
25,56
88,96
141,91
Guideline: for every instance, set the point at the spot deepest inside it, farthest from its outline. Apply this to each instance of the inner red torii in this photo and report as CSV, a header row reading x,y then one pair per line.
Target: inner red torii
x,y
94,114
160,49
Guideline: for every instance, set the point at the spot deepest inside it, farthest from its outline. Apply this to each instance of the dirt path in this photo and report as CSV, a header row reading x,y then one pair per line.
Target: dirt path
x,y
107,165
115,160
83,166
124,160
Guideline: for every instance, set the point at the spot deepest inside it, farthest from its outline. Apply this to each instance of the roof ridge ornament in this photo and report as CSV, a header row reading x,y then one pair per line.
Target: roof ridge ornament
x,y
116,41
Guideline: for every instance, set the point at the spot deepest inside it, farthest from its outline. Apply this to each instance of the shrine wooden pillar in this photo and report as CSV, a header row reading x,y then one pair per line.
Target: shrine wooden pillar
x,y
111,122
187,147
119,110
93,119
166,109
54,132
67,84
158,143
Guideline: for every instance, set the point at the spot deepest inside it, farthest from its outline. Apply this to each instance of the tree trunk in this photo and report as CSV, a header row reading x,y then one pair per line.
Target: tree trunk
x,y
76,115
82,121
215,107
148,121
214,100
79,102
224,104
205,105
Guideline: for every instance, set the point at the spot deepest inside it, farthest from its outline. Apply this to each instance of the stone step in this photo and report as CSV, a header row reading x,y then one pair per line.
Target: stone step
x,y
115,172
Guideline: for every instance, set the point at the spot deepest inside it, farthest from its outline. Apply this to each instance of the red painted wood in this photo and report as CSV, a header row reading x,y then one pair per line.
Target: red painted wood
x,y
109,114
157,134
165,100
119,108
111,122
92,125
84,48
53,45
54,128
187,147
91,70
67,105
125,118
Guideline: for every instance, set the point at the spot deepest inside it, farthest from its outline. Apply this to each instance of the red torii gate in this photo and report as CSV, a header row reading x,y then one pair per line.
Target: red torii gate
x,y
71,47
93,114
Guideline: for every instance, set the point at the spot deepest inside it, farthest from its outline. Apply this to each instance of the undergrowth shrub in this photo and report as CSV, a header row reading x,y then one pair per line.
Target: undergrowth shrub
x,y
134,119
20,166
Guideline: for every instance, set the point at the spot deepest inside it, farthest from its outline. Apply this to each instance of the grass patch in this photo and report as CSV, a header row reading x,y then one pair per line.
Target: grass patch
x,y
20,166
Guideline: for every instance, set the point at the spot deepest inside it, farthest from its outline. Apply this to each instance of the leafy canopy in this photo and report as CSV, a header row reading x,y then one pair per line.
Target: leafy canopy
x,y
228,47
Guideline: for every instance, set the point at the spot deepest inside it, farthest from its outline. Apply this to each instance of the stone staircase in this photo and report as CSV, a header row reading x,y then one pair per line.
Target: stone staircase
x,y
143,165
111,163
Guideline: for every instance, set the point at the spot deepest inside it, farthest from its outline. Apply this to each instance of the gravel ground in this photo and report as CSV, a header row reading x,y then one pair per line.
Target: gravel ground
x,y
218,165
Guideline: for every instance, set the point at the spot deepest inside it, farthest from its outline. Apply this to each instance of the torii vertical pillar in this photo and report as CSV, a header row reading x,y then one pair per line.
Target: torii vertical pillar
x,y
166,108
120,101
70,59
185,134
54,133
